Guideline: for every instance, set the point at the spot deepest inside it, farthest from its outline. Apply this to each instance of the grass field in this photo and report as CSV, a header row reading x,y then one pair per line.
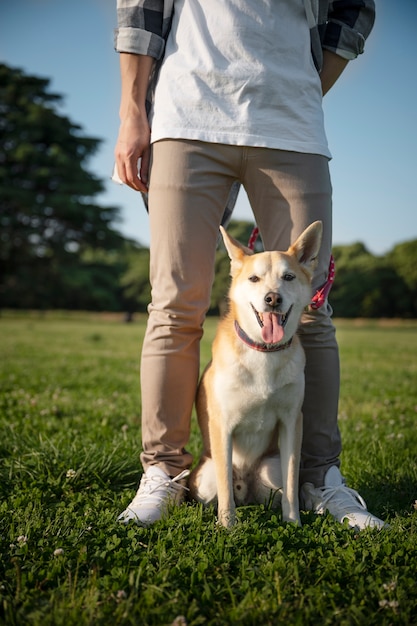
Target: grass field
x,y
69,445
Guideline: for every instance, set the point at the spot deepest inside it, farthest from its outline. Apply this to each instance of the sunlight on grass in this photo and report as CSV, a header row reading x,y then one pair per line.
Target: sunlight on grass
x,y
69,462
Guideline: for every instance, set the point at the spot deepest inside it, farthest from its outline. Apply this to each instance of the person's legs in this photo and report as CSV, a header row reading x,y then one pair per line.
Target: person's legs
x,y
189,185
288,191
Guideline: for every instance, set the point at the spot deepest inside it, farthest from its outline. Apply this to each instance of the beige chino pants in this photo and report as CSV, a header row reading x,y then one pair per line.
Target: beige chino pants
x,y
188,190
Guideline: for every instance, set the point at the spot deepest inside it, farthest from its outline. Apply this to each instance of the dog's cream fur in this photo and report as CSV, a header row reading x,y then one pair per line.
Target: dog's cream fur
x,y
249,401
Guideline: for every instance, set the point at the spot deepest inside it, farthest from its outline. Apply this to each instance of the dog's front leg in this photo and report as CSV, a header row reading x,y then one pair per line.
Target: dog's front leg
x,y
290,451
221,450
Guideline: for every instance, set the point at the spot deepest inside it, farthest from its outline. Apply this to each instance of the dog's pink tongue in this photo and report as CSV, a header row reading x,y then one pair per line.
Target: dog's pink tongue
x,y
272,331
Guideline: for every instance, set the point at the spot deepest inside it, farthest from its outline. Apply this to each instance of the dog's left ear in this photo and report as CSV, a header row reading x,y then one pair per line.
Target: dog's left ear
x,y
307,246
235,249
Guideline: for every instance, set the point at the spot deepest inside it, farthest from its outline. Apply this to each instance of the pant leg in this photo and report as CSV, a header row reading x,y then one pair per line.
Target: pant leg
x,y
189,186
288,191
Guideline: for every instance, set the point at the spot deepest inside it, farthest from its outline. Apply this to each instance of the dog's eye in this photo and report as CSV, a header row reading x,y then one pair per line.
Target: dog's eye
x,y
288,277
254,278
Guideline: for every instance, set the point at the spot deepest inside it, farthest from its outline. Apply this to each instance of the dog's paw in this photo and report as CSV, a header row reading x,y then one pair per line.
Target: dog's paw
x,y
226,518
292,519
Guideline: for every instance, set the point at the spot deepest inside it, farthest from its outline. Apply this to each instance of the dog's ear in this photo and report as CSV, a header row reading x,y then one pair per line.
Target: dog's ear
x,y
307,246
235,249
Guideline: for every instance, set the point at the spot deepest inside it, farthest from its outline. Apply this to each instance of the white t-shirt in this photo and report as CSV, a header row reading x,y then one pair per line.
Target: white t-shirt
x,y
240,72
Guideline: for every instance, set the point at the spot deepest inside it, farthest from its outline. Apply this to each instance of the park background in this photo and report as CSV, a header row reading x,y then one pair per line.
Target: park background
x,y
70,395
372,132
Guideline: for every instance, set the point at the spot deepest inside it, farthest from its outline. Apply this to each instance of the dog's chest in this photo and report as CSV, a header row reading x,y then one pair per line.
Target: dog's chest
x,y
254,392
264,375
254,400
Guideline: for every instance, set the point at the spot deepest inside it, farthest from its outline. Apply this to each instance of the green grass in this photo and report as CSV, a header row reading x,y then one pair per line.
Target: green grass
x,y
70,401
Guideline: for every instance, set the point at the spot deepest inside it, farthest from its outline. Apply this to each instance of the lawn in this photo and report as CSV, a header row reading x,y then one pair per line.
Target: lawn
x,y
69,446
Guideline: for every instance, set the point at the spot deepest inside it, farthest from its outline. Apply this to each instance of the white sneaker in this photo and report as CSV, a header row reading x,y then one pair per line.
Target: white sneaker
x,y
156,493
341,501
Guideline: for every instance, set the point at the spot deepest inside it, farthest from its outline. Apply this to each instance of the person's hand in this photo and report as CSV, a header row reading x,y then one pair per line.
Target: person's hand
x,y
132,151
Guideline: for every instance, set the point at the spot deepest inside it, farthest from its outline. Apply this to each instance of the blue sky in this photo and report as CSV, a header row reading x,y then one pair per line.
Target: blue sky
x,y
371,114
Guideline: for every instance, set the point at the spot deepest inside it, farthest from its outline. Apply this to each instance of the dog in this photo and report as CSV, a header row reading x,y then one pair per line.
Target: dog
x,y
250,396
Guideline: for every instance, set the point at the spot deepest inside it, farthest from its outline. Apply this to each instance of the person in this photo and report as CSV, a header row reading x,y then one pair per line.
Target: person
x,y
217,94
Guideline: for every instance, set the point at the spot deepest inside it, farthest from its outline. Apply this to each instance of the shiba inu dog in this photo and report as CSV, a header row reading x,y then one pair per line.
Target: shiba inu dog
x,y
250,396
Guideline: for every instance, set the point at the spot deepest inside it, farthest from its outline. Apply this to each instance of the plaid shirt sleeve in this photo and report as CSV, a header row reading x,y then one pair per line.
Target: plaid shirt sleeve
x,y
347,26
143,26
341,26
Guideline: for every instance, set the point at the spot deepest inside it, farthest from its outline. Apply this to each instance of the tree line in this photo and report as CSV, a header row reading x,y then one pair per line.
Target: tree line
x,y
60,249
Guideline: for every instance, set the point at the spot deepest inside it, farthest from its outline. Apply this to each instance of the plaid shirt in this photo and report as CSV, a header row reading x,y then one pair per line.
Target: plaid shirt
x,y
341,26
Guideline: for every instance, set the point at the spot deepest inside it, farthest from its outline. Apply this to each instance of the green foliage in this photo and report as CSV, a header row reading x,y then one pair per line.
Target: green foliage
x,y
47,215
135,281
69,444
403,258
369,286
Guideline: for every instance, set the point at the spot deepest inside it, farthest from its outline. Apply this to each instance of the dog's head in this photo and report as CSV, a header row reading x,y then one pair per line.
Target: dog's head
x,y
270,290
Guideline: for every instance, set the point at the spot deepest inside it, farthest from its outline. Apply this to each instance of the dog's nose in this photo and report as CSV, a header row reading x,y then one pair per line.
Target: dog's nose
x,y
273,299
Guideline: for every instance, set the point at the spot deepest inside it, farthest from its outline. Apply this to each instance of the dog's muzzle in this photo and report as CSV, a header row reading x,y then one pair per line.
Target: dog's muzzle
x,y
272,323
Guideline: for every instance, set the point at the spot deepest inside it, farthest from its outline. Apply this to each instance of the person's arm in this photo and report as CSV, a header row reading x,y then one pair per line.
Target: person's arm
x,y
333,66
139,38
133,142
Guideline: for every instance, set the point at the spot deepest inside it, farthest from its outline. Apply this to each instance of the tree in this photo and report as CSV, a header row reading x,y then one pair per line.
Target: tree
x,y
367,286
48,218
403,257
135,280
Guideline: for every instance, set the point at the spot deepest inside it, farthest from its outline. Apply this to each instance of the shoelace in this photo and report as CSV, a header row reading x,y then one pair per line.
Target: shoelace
x,y
344,496
152,484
